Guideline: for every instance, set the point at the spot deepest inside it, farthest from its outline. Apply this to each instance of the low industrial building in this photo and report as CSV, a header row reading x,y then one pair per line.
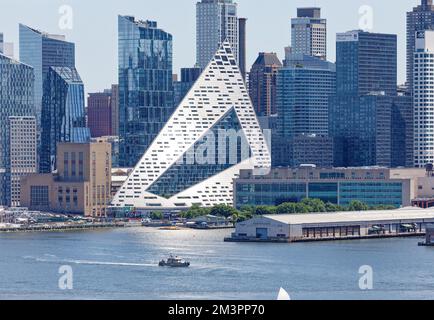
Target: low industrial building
x,y
81,184
372,185
334,226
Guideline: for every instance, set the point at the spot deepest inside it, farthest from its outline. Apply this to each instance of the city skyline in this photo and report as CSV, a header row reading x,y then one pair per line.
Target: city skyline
x,y
97,76
216,149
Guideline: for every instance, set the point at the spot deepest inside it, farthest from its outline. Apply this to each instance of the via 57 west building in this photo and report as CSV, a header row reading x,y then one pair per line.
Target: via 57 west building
x,y
211,136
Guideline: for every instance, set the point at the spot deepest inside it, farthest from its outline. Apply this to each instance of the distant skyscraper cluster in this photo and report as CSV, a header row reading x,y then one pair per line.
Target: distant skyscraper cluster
x,y
303,87
361,112
347,113
16,99
217,105
42,50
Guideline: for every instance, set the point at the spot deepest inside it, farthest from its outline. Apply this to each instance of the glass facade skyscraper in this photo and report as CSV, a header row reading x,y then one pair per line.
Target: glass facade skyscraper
x,y
181,88
365,63
16,99
303,90
145,85
216,22
362,113
361,128
63,114
42,51
402,132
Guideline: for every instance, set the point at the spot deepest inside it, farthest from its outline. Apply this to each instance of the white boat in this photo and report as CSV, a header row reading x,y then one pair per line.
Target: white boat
x,y
174,262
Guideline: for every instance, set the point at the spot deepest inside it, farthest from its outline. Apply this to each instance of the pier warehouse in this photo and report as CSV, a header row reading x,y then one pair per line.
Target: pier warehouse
x,y
336,226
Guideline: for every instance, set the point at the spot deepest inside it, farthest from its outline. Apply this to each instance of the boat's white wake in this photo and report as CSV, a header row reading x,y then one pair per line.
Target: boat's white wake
x,y
54,259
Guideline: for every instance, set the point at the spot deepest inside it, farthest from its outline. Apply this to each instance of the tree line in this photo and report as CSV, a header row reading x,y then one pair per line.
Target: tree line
x,y
248,212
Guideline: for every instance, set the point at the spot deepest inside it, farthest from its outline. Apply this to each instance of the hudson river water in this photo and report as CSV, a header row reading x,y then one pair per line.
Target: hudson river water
x,y
122,264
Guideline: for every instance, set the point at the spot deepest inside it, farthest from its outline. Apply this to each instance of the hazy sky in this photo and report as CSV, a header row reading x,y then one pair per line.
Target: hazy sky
x,y
95,27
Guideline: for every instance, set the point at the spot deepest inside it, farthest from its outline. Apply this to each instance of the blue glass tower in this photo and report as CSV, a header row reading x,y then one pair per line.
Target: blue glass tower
x,y
303,89
365,63
42,51
16,99
145,86
361,127
181,88
63,114
362,111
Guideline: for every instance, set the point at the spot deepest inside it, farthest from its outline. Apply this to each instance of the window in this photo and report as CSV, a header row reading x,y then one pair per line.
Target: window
x,y
39,196
81,164
73,168
66,164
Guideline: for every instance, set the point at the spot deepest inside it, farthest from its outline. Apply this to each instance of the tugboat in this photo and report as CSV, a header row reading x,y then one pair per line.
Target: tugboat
x,y
174,262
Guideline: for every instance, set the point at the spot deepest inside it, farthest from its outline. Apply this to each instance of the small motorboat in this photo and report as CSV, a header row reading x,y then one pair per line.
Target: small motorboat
x,y
174,262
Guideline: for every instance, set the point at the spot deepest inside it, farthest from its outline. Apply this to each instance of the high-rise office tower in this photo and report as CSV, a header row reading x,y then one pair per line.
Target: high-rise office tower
x,y
309,33
303,89
242,47
16,99
181,88
145,86
362,113
42,51
372,130
419,19
23,153
63,114
262,83
423,92
365,63
99,113
216,22
402,131
361,127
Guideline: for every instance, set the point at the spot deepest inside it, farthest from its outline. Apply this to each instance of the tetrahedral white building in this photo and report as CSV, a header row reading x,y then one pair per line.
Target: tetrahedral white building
x,y
211,136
